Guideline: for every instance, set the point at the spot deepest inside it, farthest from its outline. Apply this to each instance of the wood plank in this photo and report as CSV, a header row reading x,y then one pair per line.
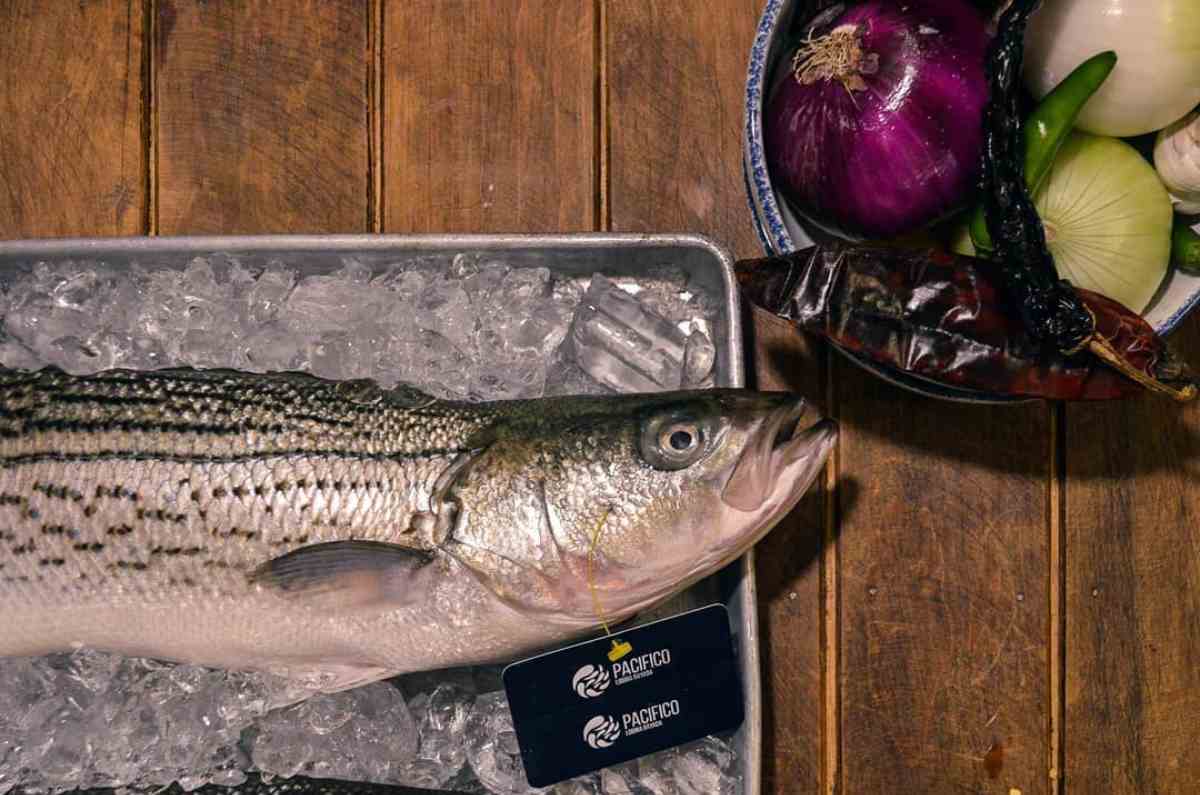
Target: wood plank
x,y
489,116
791,565
72,160
262,116
1133,593
675,81
944,556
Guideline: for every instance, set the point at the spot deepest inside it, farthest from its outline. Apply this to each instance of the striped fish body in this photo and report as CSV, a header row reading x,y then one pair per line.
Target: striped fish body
x,y
133,507
333,532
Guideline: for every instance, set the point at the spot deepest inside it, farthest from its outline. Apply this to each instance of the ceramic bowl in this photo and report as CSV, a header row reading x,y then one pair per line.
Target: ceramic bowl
x,y
781,231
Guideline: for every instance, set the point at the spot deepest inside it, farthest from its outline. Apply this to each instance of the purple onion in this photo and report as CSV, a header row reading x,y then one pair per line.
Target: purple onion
x,y
875,129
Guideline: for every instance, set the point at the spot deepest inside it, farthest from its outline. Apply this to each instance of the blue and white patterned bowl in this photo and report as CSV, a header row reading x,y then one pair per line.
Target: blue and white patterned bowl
x,y
781,231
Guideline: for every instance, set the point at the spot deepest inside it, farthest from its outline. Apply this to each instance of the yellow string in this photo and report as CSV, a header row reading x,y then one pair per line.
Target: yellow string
x,y
591,583
620,648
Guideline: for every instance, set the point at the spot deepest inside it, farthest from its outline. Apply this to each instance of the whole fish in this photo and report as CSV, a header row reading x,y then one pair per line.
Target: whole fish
x,y
340,533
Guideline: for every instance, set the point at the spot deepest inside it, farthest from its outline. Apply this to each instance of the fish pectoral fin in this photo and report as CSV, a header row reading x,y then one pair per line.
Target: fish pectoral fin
x,y
345,575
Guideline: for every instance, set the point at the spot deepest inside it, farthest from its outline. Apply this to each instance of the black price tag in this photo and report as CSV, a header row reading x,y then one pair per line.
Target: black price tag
x,y
610,700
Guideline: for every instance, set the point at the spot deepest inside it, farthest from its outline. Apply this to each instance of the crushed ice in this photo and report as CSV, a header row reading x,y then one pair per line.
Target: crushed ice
x,y
473,328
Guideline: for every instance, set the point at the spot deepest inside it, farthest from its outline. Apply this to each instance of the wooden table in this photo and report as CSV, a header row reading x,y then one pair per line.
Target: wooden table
x,y
991,600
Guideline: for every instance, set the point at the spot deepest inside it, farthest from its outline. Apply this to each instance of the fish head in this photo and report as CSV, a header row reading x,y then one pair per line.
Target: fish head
x,y
580,508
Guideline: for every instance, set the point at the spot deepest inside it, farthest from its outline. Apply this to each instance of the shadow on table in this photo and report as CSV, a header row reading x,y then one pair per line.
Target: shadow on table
x,y
1111,439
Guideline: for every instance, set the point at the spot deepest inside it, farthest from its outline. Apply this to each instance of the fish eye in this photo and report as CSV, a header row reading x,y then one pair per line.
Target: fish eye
x,y
671,442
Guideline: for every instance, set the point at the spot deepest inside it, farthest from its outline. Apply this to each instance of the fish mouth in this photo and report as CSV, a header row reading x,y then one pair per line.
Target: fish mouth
x,y
779,460
784,424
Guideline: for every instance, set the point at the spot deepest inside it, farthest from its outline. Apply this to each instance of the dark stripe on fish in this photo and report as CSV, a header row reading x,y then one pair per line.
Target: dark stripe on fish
x,y
112,425
26,459
177,402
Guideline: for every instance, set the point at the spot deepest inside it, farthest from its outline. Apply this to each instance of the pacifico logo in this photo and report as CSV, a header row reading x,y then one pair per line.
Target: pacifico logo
x,y
590,681
601,731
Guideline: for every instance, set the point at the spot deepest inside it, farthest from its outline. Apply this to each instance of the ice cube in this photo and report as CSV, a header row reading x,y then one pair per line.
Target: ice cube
x,y
75,288
405,288
442,717
93,670
16,355
620,780
565,377
443,308
270,293
520,326
583,785
354,270
40,325
705,767
273,347
325,715
199,282
623,344
492,747
330,356
326,303
567,293
522,318
463,266
699,356
481,283
107,349
205,348
430,361
666,291
366,734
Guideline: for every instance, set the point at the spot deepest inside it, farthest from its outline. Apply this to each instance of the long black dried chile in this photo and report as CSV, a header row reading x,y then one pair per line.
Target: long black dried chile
x,y
1051,310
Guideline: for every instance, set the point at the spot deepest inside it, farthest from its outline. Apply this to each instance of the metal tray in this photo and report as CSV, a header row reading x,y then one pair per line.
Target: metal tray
x,y
706,266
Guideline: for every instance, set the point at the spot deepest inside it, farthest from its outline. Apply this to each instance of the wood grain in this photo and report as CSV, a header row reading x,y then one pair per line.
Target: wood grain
x,y
1133,593
791,564
71,147
489,116
943,549
674,81
262,116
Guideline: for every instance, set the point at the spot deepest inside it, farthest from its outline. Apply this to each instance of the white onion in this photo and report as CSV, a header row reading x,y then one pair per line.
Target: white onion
x,y
1107,218
1157,77
1177,159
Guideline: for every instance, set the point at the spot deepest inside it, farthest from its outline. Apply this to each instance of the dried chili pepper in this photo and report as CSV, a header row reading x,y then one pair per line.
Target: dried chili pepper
x,y
1054,313
1049,126
943,317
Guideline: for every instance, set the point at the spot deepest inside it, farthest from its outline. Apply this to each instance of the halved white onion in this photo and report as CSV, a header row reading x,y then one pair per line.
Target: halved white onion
x,y
1107,219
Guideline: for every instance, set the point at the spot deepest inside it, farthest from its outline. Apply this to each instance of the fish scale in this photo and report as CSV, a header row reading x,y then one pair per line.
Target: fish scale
x,y
340,533
170,521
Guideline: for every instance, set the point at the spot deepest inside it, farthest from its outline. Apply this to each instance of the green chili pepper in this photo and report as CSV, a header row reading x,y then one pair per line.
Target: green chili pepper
x,y
1185,246
1048,126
